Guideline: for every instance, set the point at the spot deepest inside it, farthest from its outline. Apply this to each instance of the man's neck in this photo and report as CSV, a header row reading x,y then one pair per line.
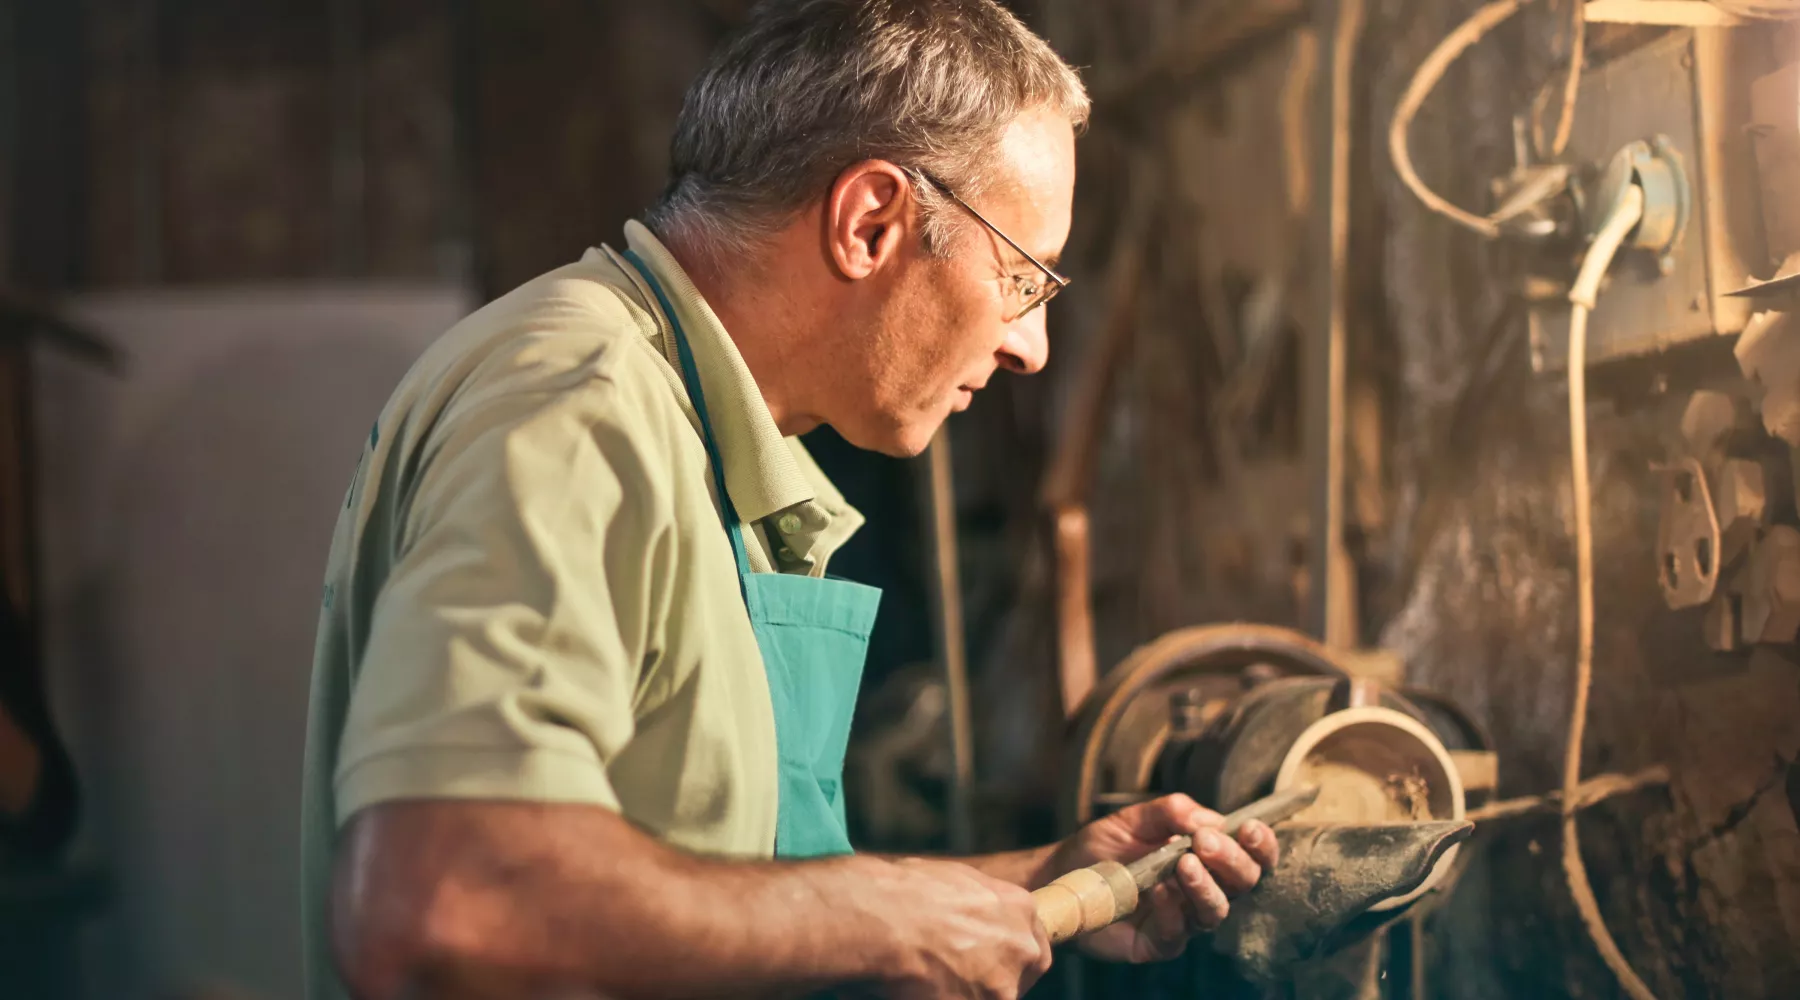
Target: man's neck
x,y
765,326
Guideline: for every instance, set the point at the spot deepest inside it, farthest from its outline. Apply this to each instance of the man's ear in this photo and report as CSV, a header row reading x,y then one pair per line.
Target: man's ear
x,y
868,217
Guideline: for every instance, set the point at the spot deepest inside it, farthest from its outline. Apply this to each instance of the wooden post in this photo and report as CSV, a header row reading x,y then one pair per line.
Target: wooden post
x,y
952,653
1332,614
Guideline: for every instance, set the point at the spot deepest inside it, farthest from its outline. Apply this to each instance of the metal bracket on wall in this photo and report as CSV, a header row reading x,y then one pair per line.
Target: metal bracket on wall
x,y
1687,552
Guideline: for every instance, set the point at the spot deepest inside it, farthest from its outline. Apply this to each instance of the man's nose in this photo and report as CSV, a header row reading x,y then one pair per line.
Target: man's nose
x,y
1026,348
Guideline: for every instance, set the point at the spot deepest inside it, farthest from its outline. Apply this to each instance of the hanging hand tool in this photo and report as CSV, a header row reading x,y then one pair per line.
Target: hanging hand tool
x,y
1088,899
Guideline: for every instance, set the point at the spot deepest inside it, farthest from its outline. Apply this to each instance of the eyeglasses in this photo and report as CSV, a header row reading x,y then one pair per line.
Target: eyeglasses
x,y
1028,292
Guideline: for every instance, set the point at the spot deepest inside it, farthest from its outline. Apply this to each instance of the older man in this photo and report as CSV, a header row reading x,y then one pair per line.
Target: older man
x,y
582,687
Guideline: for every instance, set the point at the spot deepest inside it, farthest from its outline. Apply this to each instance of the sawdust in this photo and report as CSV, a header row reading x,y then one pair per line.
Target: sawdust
x,y
1362,781
1412,793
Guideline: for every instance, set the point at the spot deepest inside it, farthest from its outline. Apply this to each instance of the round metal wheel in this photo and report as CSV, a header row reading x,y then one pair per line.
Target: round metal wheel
x,y
1117,725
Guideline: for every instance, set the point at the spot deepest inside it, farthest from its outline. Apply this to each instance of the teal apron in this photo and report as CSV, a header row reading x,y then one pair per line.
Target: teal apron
x,y
814,636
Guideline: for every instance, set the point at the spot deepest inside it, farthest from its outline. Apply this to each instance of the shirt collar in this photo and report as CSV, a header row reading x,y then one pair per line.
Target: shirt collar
x,y
765,474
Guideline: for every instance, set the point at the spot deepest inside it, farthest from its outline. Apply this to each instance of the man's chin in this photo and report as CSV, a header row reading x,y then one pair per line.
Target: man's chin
x,y
910,443
904,441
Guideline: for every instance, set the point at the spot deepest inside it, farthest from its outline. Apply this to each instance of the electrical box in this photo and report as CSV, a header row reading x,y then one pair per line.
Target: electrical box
x,y
1688,92
1775,130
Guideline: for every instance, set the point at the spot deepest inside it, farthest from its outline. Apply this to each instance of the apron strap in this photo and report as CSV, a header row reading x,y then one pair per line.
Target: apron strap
x,y
690,375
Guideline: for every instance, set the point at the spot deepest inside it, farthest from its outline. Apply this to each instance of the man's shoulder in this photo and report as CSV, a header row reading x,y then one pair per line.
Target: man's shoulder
x,y
576,333
579,318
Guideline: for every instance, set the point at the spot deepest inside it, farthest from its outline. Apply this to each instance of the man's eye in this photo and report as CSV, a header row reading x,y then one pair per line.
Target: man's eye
x,y
1026,287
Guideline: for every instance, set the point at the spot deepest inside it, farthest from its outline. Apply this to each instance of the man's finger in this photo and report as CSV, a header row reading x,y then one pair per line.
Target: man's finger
x,y
1189,912
1042,965
1231,866
1172,815
1203,892
1168,920
1258,840
1168,926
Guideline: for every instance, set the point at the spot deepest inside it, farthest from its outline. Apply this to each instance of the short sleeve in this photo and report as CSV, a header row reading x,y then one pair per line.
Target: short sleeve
x,y
508,643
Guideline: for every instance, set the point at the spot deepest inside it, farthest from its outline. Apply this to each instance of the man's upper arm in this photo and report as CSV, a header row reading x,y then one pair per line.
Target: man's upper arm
x,y
507,643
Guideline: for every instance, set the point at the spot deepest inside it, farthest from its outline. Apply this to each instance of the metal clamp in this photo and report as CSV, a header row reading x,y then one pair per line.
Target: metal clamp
x,y
1656,167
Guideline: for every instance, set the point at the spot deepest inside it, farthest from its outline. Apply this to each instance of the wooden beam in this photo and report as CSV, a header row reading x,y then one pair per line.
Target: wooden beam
x,y
1332,611
953,657
1070,476
1673,13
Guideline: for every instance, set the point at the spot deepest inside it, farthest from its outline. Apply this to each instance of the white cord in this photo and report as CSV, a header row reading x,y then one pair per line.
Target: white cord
x,y
1424,81
1431,72
1571,90
1583,294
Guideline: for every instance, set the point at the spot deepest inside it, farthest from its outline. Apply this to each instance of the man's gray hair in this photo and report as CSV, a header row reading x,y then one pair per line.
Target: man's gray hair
x,y
808,87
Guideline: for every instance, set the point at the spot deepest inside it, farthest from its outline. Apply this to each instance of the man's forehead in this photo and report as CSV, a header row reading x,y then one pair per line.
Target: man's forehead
x,y
1035,180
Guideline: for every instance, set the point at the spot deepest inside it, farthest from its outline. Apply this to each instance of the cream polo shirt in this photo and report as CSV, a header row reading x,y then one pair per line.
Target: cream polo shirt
x,y
530,594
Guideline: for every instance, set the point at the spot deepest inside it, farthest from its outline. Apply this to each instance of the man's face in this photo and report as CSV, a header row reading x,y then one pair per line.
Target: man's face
x,y
940,328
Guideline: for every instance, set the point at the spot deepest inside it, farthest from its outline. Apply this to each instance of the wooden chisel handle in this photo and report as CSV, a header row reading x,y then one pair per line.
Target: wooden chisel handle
x,y
1097,896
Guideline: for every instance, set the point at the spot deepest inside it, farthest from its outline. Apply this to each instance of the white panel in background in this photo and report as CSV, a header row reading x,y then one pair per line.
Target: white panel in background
x,y
188,505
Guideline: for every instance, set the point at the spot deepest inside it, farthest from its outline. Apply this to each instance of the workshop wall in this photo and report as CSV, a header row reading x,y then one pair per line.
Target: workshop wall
x,y
1458,492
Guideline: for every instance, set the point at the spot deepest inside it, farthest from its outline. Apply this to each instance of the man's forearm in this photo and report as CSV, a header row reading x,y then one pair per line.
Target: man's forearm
x,y
1030,868
493,900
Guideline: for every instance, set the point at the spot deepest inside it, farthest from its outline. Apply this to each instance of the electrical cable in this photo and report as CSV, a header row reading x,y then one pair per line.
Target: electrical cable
x,y
1592,792
1565,122
1424,81
1431,72
1582,295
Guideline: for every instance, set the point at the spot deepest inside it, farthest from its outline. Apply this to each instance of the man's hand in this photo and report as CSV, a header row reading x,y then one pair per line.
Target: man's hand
x,y
1195,899
960,932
